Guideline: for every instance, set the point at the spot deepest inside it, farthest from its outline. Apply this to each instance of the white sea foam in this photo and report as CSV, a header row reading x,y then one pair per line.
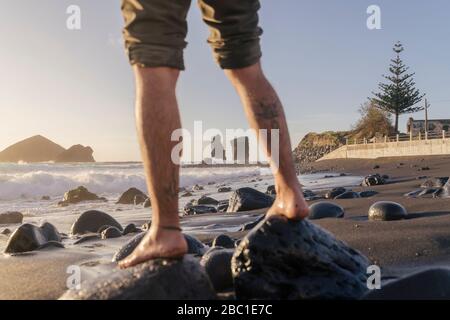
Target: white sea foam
x,y
32,181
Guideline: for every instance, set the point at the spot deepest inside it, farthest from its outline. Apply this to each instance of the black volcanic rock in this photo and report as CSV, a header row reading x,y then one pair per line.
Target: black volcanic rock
x,y
435,182
368,193
431,284
195,247
111,232
222,206
224,189
217,264
160,279
34,149
251,225
92,221
333,193
132,196
271,190
29,237
325,209
199,209
207,200
446,190
373,180
282,259
11,217
78,195
76,153
223,241
245,199
131,228
348,195
387,211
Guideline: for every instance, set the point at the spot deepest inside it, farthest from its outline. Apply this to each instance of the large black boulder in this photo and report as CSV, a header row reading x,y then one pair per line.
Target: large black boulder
x,y
159,279
11,217
50,232
132,196
387,211
431,284
325,209
207,201
29,237
92,220
282,259
78,195
195,247
245,199
128,247
217,265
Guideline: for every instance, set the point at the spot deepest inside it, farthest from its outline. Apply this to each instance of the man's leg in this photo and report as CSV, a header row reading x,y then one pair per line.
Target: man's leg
x,y
155,32
264,111
157,117
234,39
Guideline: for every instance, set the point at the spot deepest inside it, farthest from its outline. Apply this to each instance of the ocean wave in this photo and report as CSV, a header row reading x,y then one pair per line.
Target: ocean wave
x,y
35,181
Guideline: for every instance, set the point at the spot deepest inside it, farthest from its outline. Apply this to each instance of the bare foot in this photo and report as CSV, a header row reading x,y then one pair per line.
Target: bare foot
x,y
158,243
289,203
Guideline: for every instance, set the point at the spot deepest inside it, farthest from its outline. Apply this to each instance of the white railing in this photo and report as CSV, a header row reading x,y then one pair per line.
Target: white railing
x,y
401,137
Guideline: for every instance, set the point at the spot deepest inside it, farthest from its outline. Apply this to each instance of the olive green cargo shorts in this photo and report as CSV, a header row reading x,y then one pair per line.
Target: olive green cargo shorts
x,y
155,31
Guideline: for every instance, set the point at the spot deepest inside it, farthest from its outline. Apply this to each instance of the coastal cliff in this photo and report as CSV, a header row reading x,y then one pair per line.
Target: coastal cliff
x,y
315,145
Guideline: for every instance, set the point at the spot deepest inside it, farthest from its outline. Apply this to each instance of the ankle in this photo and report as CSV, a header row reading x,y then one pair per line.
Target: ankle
x,y
159,227
288,188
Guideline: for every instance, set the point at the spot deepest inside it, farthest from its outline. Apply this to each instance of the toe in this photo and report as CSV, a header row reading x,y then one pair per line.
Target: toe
x,y
123,264
129,262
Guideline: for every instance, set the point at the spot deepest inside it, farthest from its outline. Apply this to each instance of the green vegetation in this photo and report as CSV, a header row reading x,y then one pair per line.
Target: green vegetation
x,y
399,95
374,122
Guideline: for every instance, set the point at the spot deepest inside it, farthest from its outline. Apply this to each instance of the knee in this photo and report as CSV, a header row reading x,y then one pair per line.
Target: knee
x,y
246,76
158,78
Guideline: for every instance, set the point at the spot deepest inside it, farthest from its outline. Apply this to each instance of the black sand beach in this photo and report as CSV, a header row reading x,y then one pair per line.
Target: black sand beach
x,y
399,247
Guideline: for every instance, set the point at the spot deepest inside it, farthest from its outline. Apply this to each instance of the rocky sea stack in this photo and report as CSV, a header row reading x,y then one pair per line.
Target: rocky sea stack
x,y
76,153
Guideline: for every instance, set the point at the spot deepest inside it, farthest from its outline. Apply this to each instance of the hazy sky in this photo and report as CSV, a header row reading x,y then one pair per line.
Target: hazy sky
x,y
77,87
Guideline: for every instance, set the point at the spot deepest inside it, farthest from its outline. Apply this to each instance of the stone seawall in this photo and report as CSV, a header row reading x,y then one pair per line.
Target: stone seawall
x,y
391,149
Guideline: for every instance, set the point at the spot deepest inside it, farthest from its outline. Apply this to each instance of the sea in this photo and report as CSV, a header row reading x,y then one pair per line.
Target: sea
x,y
23,185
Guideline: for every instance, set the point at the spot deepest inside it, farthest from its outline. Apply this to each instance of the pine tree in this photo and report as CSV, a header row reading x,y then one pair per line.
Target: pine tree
x,y
399,95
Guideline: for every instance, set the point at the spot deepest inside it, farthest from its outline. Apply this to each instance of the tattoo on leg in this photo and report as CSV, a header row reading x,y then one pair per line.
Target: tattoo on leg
x,y
269,111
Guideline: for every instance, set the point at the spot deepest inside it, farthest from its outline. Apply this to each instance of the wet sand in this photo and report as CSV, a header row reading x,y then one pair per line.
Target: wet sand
x,y
399,247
